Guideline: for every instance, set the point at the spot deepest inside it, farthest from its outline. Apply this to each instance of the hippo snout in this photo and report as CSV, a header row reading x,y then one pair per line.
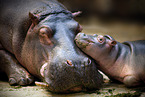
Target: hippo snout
x,y
72,75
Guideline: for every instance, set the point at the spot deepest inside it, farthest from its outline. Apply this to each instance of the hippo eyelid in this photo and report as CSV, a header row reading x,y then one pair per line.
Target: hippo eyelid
x,y
47,27
46,30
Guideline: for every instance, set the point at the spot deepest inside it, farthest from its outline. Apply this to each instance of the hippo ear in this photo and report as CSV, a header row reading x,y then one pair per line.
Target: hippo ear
x,y
76,13
33,18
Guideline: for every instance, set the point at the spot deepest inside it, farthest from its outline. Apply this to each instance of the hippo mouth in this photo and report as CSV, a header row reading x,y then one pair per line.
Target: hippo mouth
x,y
70,77
73,89
46,85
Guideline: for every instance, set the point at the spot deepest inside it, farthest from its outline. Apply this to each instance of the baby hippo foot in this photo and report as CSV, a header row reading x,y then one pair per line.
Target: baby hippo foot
x,y
131,81
17,75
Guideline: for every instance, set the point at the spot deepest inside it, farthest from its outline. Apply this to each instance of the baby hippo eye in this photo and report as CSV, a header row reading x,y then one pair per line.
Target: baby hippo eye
x,y
100,38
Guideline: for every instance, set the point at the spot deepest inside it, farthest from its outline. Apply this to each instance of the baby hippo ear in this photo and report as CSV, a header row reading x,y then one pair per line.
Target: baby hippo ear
x,y
113,43
34,18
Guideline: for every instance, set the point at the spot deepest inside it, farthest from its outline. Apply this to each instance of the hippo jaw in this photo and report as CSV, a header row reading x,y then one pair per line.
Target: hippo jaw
x,y
65,77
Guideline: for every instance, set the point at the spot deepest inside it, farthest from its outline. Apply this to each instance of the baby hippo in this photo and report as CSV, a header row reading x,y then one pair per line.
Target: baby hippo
x,y
124,62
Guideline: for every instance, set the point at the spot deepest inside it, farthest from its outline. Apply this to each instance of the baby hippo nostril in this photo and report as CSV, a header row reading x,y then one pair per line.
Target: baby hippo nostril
x,y
112,43
87,62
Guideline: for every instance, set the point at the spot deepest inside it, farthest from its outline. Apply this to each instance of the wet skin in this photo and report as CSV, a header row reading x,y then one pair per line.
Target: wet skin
x,y
37,39
124,62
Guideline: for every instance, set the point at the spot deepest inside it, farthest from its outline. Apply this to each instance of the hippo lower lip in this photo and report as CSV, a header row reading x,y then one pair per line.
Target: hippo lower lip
x,y
73,89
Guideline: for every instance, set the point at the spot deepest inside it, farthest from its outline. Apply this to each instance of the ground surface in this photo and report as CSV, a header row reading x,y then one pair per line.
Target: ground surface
x,y
108,90
121,31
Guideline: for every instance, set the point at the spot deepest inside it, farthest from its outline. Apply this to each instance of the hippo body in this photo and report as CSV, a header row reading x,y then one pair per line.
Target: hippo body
x,y
37,39
124,62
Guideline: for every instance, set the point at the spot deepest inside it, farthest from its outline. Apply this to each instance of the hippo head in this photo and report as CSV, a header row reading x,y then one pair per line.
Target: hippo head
x,y
49,52
97,46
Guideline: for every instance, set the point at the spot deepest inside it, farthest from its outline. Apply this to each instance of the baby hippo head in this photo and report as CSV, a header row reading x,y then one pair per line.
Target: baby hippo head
x,y
96,45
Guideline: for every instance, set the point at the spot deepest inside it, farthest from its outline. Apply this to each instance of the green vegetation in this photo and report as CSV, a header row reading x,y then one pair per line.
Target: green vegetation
x,y
11,90
111,91
16,87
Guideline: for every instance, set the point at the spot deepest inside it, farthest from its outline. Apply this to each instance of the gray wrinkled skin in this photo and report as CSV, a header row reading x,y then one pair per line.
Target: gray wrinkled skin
x,y
41,44
124,62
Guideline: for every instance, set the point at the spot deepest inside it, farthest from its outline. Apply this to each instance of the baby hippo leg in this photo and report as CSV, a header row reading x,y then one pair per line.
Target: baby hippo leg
x,y
131,81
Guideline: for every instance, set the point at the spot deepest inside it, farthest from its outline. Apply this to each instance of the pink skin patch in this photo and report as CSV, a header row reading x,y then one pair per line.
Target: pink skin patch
x,y
42,69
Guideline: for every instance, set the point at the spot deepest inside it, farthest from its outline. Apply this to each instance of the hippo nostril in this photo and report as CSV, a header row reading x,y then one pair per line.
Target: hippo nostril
x,y
87,61
69,63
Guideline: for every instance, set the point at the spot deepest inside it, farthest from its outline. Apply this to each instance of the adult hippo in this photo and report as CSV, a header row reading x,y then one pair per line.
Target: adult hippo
x,y
37,38
124,62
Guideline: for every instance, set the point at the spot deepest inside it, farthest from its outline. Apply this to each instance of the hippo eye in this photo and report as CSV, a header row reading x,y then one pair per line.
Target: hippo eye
x,y
45,35
45,32
100,38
